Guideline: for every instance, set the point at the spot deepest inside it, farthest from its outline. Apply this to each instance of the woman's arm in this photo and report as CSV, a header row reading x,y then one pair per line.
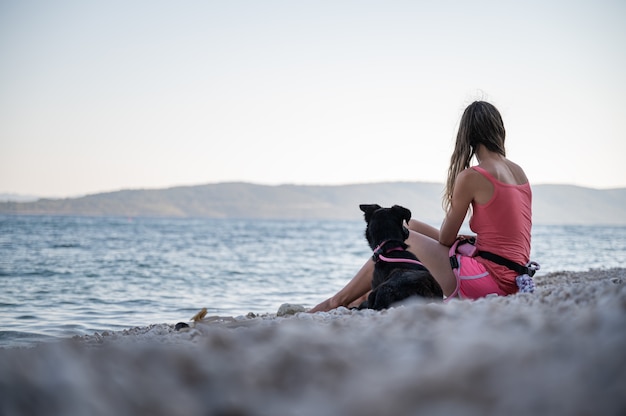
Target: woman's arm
x,y
464,191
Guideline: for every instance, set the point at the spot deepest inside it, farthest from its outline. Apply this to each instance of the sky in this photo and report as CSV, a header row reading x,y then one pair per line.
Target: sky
x,y
109,95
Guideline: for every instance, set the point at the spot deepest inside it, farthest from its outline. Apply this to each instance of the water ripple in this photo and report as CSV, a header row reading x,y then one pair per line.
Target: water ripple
x,y
68,275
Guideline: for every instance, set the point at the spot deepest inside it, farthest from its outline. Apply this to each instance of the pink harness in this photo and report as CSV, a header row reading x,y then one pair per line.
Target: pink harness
x,y
464,247
379,256
454,262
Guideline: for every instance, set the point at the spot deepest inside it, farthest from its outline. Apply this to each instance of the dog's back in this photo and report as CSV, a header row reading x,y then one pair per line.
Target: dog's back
x,y
397,273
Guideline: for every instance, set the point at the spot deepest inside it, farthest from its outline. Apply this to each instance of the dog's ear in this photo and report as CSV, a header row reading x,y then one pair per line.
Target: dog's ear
x,y
369,209
402,212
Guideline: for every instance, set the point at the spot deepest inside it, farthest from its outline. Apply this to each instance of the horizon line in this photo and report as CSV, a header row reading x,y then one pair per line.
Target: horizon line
x,y
29,197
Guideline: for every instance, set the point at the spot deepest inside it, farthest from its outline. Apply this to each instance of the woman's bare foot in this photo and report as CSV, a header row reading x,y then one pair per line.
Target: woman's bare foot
x,y
323,307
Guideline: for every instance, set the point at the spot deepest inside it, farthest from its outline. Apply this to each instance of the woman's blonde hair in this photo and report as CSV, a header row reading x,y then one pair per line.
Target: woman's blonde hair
x,y
481,123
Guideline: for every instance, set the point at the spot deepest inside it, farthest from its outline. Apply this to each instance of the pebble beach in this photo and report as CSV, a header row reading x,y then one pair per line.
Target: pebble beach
x,y
558,351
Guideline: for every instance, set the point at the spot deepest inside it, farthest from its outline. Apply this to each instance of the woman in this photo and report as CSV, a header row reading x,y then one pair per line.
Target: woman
x,y
500,198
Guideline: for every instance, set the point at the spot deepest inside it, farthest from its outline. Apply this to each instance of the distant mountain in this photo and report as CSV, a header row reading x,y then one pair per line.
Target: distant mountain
x,y
566,204
553,204
17,198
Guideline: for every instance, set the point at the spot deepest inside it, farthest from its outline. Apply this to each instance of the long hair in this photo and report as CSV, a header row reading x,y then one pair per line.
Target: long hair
x,y
481,123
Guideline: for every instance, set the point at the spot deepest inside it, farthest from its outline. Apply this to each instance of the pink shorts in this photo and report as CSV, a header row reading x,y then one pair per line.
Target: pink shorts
x,y
475,281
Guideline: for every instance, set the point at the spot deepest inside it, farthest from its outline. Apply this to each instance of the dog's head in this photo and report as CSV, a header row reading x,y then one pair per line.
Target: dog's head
x,y
385,223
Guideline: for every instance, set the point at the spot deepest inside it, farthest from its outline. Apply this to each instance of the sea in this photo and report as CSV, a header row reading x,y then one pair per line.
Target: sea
x,y
62,276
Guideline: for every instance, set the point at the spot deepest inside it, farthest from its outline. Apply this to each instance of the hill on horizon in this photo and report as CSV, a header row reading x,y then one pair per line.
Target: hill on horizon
x,y
552,204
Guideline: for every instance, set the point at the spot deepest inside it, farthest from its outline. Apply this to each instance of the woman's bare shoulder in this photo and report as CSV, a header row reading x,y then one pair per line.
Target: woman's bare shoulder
x,y
505,171
477,185
519,176
472,176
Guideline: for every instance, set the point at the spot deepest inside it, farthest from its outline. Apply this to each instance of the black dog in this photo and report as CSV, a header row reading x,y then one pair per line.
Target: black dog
x,y
397,273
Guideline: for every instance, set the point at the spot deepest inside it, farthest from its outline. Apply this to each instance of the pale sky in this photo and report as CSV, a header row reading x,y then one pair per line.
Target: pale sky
x,y
101,96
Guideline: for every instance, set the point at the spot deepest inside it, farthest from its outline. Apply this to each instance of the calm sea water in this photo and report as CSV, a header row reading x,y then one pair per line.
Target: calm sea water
x,y
65,276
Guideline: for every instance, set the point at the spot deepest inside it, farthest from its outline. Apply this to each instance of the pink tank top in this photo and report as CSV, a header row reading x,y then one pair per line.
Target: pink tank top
x,y
503,227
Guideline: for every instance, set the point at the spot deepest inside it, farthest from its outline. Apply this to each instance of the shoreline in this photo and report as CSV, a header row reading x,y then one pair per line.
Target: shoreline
x,y
557,351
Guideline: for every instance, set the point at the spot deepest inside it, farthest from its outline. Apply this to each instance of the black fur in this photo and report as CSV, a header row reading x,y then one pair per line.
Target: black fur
x,y
394,282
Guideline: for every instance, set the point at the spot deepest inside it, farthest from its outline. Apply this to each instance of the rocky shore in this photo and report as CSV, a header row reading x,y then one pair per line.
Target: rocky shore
x,y
559,351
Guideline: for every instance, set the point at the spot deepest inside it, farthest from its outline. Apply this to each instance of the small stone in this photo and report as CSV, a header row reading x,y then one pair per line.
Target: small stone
x,y
180,326
289,309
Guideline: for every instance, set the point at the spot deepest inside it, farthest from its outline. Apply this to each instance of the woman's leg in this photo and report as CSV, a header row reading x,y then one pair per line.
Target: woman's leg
x,y
435,257
423,228
360,284
423,242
